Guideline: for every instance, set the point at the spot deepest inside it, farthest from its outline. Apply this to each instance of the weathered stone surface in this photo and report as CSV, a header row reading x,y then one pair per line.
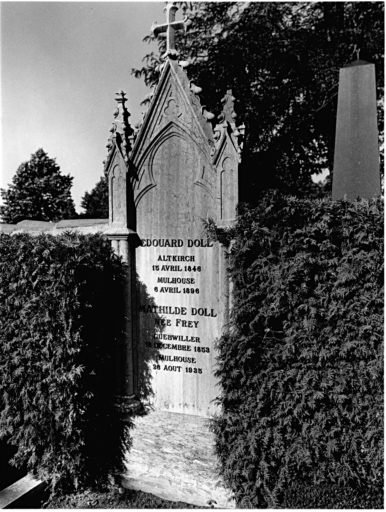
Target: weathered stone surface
x,y
173,457
18,494
35,227
356,157
75,223
182,175
83,226
7,228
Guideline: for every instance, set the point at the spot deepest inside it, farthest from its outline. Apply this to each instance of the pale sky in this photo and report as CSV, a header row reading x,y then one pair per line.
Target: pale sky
x,y
61,65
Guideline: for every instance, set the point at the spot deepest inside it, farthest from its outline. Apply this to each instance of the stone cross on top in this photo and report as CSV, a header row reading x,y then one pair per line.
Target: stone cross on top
x,y
170,27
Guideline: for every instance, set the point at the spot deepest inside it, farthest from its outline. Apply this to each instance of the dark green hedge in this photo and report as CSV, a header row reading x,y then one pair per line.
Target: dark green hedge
x,y
301,369
59,309
333,496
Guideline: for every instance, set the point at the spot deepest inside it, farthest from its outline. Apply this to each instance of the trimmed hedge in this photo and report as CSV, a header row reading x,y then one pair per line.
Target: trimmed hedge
x,y
59,308
301,369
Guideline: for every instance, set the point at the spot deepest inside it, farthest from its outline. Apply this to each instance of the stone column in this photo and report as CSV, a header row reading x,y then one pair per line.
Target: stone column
x,y
124,241
126,399
356,157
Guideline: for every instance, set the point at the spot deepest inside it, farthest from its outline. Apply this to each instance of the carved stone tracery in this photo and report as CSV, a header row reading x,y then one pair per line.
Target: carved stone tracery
x,y
118,195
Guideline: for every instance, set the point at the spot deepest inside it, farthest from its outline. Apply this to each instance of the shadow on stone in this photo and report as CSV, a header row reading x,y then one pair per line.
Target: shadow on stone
x,y
148,327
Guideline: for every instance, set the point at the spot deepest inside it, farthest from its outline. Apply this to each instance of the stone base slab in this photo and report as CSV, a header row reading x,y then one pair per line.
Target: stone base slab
x,y
173,458
22,494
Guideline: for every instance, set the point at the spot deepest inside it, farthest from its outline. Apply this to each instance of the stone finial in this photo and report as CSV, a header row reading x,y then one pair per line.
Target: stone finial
x,y
228,113
121,131
227,123
123,127
170,27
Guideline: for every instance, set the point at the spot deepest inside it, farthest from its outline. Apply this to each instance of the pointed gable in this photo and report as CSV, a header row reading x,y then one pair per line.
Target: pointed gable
x,y
226,159
175,112
116,168
177,133
175,99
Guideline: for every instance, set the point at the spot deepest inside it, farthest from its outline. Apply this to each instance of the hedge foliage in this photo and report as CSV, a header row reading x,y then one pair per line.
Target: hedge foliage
x,y
301,369
59,306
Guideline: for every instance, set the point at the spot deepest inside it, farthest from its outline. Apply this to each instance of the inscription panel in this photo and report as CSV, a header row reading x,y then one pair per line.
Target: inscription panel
x,y
179,309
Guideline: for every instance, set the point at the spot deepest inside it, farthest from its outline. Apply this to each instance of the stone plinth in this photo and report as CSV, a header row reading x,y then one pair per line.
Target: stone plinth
x,y
356,158
173,457
23,494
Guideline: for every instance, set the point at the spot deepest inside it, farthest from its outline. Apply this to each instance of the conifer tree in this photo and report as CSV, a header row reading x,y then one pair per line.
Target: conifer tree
x,y
96,202
38,192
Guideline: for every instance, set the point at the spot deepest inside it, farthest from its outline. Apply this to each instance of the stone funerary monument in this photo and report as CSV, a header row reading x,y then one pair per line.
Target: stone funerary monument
x,y
356,155
177,170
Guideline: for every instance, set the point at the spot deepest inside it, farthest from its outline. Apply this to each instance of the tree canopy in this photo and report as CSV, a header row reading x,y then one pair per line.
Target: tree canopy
x,y
39,192
96,202
282,62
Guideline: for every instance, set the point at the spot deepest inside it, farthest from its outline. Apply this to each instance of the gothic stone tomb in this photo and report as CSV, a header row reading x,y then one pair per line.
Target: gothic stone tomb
x,y
179,169
180,184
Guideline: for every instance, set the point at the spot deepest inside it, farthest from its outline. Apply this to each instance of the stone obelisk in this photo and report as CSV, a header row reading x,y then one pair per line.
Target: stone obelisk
x,y
356,158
